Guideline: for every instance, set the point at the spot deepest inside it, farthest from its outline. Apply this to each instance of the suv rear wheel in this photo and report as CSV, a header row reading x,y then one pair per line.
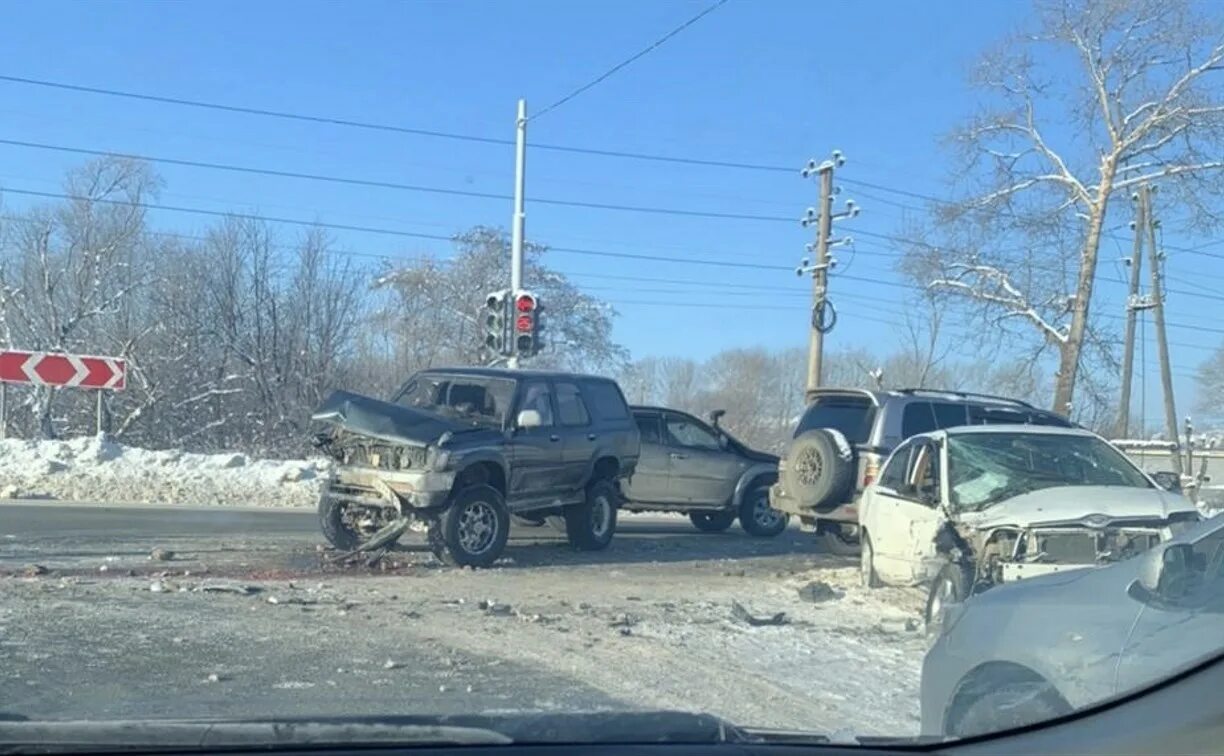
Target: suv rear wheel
x,y
589,526
819,470
472,532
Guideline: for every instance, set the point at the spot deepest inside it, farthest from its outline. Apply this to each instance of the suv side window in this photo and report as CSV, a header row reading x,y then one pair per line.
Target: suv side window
x,y
648,427
682,431
605,398
538,396
570,405
948,415
924,417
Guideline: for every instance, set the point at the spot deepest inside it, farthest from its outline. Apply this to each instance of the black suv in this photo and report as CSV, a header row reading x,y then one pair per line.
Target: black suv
x,y
704,472
845,435
462,449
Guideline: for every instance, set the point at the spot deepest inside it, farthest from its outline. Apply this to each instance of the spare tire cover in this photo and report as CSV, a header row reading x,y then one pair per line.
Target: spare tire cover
x,y
819,470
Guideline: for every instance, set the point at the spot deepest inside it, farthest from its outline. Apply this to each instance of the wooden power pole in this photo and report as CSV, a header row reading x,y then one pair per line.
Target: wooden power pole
x,y
1133,306
1162,341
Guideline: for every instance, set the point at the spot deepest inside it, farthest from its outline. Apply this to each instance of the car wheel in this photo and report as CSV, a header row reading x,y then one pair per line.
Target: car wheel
x,y
589,526
867,564
712,522
1008,706
472,532
819,470
344,524
759,519
839,538
950,586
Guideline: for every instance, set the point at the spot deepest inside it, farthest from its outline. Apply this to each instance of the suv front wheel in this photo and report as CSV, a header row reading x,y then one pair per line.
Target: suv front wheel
x,y
589,526
472,532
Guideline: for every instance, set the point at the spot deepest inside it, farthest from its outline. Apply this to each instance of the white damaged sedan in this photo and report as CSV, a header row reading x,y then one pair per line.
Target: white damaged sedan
x,y
970,507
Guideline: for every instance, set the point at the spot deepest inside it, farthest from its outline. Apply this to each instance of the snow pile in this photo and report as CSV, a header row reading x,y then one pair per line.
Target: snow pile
x,y
95,468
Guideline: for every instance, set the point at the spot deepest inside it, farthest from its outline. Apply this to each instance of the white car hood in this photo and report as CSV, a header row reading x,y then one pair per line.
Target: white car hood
x,y
1072,503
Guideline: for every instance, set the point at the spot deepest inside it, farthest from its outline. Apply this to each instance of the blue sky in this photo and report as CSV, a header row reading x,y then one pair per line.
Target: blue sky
x,y
760,81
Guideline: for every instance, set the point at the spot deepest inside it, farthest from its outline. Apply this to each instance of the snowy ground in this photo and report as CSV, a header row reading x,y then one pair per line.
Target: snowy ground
x,y
98,469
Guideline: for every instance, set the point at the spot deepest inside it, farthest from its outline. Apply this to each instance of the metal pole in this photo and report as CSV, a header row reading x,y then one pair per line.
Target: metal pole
x,y
98,413
3,410
1122,429
520,216
820,279
1162,342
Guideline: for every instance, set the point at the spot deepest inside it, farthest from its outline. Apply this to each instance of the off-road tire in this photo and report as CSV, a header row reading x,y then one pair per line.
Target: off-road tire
x,y
1007,707
957,581
867,571
339,535
581,526
835,539
712,522
817,473
754,521
461,536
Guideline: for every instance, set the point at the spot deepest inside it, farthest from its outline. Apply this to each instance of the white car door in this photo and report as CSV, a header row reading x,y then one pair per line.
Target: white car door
x,y
906,514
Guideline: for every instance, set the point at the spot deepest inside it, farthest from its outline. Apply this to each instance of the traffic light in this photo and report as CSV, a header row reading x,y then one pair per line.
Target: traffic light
x,y
526,323
495,321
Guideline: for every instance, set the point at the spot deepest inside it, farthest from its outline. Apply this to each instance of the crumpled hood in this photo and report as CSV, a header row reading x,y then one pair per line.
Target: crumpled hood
x,y
383,420
1070,503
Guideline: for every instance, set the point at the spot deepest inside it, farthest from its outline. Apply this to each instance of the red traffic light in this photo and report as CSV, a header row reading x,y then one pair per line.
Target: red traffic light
x,y
524,303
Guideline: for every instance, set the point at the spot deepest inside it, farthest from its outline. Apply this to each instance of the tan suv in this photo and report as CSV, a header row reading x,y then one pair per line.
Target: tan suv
x,y
845,435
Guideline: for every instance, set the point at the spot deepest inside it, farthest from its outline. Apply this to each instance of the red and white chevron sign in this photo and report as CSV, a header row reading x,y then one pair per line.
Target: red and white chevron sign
x,y
67,370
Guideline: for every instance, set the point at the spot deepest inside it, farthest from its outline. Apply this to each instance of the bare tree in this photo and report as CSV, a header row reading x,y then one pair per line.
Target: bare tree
x,y
1144,107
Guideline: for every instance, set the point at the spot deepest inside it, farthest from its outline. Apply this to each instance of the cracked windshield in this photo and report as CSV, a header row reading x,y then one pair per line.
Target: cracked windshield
x,y
841,384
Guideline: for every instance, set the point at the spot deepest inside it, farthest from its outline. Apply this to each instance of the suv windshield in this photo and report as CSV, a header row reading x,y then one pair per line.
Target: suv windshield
x,y
470,397
851,415
986,468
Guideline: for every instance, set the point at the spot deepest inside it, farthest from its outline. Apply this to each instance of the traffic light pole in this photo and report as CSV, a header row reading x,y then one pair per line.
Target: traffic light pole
x,y
520,216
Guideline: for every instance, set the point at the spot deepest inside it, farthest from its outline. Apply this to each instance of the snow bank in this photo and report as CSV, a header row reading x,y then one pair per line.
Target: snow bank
x,y
95,468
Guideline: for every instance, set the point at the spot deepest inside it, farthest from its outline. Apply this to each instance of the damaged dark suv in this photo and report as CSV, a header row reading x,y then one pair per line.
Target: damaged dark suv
x,y
460,450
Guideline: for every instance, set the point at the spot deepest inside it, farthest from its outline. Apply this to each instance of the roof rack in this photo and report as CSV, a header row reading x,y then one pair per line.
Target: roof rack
x,y
967,395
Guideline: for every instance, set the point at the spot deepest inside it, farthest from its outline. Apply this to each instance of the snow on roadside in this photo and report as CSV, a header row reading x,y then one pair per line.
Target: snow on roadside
x,y
97,469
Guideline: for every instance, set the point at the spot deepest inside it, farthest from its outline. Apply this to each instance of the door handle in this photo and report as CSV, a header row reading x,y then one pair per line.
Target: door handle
x,y
677,455
590,437
554,437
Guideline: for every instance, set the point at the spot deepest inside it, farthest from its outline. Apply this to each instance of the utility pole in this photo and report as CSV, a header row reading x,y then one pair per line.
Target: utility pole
x,y
1162,342
520,216
824,316
1133,306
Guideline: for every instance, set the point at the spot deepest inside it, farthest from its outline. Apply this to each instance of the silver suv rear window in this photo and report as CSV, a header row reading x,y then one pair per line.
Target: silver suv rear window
x,y
851,415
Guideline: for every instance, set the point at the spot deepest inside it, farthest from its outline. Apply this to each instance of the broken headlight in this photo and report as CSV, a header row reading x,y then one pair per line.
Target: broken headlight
x,y
437,459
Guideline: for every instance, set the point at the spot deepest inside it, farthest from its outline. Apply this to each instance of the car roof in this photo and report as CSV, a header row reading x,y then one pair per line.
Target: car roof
x,y
492,372
655,408
1032,430
879,396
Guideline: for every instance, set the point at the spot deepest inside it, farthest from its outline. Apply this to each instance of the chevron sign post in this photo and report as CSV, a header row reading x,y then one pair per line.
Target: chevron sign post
x,y
61,370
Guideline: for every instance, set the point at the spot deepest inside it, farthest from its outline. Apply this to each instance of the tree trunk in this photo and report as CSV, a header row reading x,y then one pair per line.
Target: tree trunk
x,y
1070,350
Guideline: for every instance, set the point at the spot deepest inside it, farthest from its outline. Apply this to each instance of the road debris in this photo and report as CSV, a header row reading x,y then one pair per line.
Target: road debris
x,y
818,591
34,570
161,555
391,664
239,588
740,613
494,608
213,677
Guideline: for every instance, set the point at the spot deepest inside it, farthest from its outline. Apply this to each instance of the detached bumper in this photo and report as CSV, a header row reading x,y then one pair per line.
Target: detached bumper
x,y
415,489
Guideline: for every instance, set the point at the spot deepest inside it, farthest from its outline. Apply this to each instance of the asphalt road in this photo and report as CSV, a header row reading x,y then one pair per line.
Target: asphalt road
x,y
100,630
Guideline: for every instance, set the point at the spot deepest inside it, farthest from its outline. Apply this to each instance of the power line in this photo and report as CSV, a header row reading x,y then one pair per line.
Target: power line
x,y
390,232
393,185
631,59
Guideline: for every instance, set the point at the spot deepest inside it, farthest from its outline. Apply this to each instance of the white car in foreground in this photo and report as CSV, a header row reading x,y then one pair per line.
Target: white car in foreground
x,y
970,507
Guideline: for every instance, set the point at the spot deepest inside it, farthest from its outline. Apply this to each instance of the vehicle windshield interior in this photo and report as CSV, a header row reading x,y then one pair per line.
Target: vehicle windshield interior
x,y
987,468
466,397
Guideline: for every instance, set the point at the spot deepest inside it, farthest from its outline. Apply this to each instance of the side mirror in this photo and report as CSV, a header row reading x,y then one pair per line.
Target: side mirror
x,y
529,419
1168,571
1168,480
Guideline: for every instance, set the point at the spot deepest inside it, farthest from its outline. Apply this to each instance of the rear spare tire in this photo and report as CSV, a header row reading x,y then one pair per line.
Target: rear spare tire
x,y
819,470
